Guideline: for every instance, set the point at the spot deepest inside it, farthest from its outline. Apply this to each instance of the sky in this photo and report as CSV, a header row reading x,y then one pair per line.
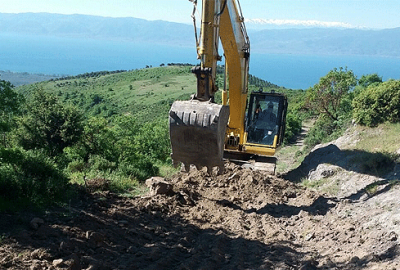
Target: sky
x,y
370,14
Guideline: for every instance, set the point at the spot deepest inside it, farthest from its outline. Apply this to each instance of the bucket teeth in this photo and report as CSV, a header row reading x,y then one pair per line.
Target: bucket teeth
x,y
197,133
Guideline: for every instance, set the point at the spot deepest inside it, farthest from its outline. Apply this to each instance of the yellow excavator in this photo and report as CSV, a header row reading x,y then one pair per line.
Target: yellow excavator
x,y
244,126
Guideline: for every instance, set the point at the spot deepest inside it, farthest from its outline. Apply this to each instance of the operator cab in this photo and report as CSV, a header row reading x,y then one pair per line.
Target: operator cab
x,y
266,118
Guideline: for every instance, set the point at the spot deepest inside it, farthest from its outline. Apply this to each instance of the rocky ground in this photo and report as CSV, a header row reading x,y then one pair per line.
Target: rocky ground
x,y
243,219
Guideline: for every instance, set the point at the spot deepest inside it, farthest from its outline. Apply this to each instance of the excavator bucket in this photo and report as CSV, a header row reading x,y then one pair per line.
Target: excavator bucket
x,y
197,133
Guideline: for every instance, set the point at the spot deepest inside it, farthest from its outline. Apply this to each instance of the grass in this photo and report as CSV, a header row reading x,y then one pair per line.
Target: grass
x,y
384,138
371,189
287,158
380,146
167,171
135,92
327,185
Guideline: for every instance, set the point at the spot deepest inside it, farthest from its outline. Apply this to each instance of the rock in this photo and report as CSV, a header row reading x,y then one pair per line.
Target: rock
x,y
35,254
158,185
302,214
354,260
309,236
73,262
58,262
36,265
63,246
95,238
393,236
322,171
36,223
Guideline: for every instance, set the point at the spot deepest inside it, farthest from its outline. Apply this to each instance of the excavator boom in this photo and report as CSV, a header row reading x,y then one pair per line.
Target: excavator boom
x,y
201,130
198,126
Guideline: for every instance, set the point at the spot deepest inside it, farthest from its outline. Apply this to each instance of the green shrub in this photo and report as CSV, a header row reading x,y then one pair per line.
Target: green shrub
x,y
30,177
293,126
321,131
378,103
49,124
141,169
99,163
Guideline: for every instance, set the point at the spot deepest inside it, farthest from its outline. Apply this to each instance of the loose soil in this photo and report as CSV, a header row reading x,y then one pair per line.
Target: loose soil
x,y
243,219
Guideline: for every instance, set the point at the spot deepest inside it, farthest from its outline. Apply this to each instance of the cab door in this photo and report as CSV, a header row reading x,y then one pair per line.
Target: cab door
x,y
266,117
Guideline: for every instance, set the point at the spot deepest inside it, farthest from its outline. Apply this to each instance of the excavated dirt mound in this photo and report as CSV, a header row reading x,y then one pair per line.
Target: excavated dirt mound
x,y
242,219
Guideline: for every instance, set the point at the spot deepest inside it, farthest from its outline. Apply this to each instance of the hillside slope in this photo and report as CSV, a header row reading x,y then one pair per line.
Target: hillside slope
x,y
145,92
242,219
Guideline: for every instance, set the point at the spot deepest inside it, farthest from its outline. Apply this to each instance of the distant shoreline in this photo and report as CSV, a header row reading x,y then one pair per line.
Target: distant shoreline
x,y
57,57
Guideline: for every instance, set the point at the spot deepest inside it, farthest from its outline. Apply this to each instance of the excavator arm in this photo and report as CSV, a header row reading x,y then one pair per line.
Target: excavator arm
x,y
236,47
198,127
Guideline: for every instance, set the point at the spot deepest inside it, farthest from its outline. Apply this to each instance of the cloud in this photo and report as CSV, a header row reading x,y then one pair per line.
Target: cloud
x,y
304,23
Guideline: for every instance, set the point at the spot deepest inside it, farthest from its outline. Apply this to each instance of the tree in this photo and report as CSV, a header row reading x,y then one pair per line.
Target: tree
x,y
10,103
49,125
369,79
378,103
326,97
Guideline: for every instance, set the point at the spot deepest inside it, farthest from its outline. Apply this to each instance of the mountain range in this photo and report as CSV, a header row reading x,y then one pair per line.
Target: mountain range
x,y
315,41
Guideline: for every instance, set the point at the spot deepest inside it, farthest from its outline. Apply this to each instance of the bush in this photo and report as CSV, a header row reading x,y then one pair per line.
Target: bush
x,y
321,131
328,95
30,177
140,170
293,126
49,125
121,151
377,104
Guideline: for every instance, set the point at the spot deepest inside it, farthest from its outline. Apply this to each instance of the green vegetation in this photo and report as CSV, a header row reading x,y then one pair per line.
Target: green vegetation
x,y
103,125
383,138
378,103
111,127
339,98
145,93
325,185
101,129
330,101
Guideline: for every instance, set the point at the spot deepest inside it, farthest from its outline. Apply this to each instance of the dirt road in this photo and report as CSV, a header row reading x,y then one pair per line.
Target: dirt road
x,y
240,220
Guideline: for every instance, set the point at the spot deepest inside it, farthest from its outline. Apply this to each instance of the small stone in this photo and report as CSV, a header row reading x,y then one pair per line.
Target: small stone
x,y
309,236
35,254
302,214
58,262
63,246
158,185
95,238
36,223
354,260
35,265
393,236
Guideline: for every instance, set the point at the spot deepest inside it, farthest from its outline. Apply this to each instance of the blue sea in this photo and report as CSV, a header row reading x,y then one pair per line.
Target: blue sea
x,y
72,56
